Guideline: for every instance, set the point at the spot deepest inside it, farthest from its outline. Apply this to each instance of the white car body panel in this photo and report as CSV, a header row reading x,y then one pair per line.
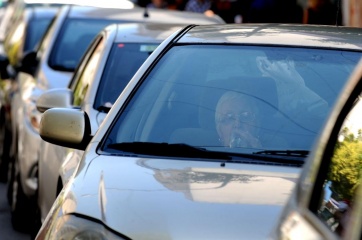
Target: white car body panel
x,y
225,209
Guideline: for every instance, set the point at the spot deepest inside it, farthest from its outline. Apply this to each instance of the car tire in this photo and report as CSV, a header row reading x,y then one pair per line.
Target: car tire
x,y
22,211
36,221
5,150
11,174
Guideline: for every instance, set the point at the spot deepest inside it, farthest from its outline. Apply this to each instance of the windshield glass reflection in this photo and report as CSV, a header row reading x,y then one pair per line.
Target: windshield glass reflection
x,y
235,98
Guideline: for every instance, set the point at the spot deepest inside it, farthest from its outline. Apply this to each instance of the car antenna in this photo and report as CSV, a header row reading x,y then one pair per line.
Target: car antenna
x,y
145,13
338,9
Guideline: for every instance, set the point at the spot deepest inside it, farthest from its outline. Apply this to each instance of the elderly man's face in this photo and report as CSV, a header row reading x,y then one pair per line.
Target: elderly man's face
x,y
236,120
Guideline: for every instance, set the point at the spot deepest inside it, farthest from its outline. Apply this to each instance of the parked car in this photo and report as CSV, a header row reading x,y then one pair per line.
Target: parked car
x,y
18,33
326,201
15,14
26,33
209,135
14,10
52,66
109,63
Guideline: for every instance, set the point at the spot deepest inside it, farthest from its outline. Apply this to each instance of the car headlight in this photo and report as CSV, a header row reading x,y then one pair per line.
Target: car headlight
x,y
72,227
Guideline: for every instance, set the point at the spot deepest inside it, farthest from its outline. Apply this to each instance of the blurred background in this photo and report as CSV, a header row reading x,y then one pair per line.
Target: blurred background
x,y
327,12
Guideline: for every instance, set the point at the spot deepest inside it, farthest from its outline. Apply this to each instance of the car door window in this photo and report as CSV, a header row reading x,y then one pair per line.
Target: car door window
x,y
343,175
34,32
86,76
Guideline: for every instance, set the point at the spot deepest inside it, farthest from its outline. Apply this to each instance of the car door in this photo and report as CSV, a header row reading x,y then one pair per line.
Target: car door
x,y
326,203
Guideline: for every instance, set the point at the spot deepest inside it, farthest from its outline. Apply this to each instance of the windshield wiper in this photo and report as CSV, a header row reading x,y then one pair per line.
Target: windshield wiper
x,y
187,151
168,150
288,153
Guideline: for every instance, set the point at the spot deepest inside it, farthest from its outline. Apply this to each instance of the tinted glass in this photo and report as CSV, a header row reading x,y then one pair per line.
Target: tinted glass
x,y
123,62
344,174
35,32
235,99
73,40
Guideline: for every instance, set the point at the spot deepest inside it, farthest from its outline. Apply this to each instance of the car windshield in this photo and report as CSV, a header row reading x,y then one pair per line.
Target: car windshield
x,y
73,40
35,31
234,99
123,62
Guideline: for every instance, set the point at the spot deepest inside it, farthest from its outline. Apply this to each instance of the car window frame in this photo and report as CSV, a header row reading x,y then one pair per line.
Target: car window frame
x,y
326,158
151,69
27,29
43,42
299,215
84,61
98,46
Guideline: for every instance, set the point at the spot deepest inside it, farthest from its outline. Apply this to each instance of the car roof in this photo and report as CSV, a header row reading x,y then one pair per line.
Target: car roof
x,y
277,34
139,14
145,32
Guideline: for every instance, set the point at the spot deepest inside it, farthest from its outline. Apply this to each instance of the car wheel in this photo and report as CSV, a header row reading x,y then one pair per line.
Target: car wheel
x,y
21,208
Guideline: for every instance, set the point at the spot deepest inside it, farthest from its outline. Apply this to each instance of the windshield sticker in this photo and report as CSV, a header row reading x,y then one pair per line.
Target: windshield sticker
x,y
147,48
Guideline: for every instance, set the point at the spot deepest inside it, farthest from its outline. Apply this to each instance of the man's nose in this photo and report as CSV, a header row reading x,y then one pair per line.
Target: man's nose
x,y
237,122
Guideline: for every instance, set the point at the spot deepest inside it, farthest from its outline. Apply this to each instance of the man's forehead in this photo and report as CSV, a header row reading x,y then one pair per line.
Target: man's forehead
x,y
235,105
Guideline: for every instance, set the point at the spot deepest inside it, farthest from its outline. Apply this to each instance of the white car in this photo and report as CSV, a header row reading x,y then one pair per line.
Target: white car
x,y
21,29
326,203
115,55
26,33
207,139
52,66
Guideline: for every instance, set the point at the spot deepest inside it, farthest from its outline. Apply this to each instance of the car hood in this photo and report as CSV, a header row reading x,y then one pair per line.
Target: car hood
x,y
178,199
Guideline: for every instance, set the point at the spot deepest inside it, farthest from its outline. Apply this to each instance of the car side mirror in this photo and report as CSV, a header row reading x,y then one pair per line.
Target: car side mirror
x,y
55,98
28,63
4,62
66,127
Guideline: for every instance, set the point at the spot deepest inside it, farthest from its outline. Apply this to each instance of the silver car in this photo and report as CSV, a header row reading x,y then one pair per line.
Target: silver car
x,y
52,66
208,138
21,29
110,62
26,33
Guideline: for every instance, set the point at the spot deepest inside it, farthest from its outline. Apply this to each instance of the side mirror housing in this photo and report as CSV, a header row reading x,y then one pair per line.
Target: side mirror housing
x,y
66,127
55,98
28,63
